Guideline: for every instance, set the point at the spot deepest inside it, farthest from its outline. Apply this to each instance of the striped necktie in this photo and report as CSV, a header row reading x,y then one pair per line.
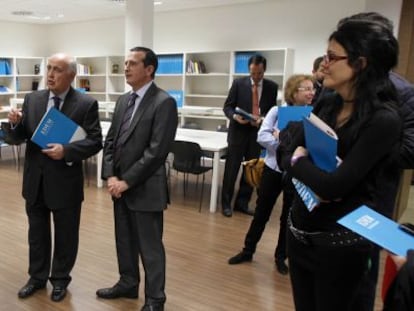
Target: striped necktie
x,y
126,121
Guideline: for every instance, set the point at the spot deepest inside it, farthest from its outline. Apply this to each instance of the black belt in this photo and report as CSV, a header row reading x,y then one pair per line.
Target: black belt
x,y
337,238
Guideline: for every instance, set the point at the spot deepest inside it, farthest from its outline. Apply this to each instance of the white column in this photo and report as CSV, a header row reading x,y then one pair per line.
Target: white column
x,y
139,23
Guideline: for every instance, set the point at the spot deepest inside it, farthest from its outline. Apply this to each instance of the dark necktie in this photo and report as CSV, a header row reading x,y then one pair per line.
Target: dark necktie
x,y
56,100
126,120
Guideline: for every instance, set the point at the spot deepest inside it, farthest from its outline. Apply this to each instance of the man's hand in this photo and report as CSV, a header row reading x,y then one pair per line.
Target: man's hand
x,y
15,115
257,122
240,119
116,186
54,151
275,133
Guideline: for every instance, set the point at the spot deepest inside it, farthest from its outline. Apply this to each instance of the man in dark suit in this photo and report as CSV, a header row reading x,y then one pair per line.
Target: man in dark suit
x,y
242,134
53,177
317,72
136,147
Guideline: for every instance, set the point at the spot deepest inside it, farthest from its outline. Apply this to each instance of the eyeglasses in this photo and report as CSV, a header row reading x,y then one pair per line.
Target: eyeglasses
x,y
332,58
306,89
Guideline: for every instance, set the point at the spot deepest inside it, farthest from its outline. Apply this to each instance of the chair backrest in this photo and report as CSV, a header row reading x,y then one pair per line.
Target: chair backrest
x,y
187,156
191,125
222,128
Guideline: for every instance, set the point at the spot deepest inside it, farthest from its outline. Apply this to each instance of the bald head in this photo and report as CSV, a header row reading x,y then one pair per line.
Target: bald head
x,y
61,70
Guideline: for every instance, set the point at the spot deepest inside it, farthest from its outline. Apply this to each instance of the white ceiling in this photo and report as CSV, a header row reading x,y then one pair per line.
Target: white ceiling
x,y
68,11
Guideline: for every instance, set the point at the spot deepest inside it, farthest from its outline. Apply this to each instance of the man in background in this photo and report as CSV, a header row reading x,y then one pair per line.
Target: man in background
x,y
317,72
53,177
255,95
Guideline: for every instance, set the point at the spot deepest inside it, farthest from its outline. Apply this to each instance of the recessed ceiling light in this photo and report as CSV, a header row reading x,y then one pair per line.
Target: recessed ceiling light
x,y
22,13
157,2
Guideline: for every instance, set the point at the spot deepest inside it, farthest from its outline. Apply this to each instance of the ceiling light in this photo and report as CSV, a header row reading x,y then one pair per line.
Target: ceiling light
x,y
157,2
22,13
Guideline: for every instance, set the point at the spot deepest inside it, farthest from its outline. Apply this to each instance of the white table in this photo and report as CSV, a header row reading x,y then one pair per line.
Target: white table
x,y
215,142
208,141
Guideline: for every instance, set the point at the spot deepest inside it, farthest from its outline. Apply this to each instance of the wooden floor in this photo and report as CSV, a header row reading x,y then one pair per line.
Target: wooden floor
x,y
197,246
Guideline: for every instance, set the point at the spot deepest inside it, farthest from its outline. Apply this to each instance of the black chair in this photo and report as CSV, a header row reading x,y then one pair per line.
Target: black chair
x,y
188,159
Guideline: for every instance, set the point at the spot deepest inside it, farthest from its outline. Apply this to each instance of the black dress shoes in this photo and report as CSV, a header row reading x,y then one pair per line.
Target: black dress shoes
x,y
281,267
227,212
58,293
29,289
153,307
117,292
240,257
244,210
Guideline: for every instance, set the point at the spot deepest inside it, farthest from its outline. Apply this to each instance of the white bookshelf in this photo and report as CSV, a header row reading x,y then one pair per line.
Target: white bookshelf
x,y
204,93
22,78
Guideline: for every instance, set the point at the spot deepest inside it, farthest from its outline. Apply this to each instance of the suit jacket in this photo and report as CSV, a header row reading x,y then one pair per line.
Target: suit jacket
x,y
145,149
240,95
62,182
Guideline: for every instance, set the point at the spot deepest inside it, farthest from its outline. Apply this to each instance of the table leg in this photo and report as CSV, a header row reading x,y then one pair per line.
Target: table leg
x,y
99,156
215,181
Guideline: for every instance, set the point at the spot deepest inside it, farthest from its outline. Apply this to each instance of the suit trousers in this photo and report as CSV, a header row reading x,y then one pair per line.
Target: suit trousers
x,y
139,234
248,149
66,241
326,278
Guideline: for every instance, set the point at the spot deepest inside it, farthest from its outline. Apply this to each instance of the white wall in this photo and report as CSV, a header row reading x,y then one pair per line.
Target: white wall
x,y
299,24
19,39
391,9
93,38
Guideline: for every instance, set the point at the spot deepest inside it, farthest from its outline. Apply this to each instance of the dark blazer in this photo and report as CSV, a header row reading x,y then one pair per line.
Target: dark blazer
x,y
240,95
62,179
148,142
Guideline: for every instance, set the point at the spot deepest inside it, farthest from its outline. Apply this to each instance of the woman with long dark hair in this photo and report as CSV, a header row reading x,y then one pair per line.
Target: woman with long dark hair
x,y
327,262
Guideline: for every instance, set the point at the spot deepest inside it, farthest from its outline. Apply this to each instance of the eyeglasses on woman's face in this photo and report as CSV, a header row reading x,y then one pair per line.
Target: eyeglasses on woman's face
x,y
331,58
306,89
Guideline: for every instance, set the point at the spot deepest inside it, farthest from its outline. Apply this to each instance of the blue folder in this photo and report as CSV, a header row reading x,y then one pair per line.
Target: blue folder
x,y
378,229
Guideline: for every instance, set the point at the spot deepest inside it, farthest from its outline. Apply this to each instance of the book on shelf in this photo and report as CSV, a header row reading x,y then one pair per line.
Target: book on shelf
x,y
321,142
287,114
4,89
170,64
246,115
196,66
241,61
56,127
84,69
178,96
5,68
378,229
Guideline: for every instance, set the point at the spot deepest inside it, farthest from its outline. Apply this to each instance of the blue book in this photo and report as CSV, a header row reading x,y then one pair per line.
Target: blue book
x,y
321,142
309,198
178,96
286,114
378,229
56,127
246,115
